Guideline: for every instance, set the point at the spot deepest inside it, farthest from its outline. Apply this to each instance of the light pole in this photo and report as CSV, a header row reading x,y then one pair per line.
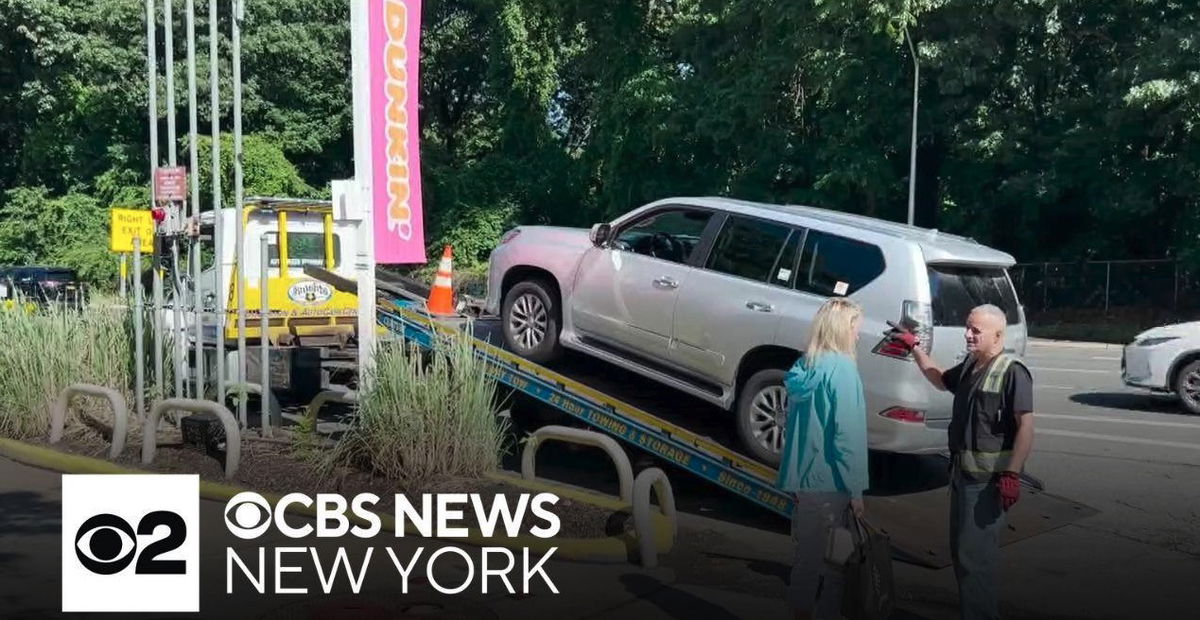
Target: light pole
x,y
912,156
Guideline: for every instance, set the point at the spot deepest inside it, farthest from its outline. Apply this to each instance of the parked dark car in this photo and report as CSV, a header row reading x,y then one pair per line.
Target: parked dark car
x,y
42,285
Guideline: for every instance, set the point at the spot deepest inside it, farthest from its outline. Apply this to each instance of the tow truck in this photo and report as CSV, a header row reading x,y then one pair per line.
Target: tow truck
x,y
312,327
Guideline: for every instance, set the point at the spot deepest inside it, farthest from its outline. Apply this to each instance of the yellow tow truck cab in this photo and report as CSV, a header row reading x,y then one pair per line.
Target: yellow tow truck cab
x,y
302,310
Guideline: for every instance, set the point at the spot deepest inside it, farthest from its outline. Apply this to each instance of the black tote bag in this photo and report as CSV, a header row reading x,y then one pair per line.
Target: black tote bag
x,y
869,592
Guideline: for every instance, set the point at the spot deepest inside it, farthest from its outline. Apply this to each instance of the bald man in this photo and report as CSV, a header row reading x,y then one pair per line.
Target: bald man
x,y
990,436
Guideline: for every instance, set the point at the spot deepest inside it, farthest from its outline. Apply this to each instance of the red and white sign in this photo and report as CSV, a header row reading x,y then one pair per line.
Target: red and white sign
x,y
170,184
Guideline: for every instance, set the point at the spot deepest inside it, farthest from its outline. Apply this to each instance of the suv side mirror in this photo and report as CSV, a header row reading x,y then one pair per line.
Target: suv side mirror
x,y
599,234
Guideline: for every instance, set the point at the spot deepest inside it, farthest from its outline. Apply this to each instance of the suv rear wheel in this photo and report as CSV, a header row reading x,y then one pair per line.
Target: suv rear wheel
x,y
531,318
1187,386
762,415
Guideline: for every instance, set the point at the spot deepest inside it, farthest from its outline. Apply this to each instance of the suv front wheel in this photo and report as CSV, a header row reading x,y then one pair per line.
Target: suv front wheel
x,y
531,318
762,415
1187,386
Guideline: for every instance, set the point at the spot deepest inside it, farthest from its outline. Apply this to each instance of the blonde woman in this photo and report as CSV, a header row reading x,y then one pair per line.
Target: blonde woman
x,y
824,461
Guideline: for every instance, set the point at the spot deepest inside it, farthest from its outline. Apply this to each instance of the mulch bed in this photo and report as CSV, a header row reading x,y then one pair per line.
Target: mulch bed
x,y
281,468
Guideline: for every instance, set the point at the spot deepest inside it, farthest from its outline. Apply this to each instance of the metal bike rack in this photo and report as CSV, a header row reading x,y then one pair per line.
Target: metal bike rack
x,y
58,414
321,399
651,479
582,437
249,387
233,435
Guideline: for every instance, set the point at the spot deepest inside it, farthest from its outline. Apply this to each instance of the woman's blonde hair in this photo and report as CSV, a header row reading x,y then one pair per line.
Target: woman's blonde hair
x,y
832,328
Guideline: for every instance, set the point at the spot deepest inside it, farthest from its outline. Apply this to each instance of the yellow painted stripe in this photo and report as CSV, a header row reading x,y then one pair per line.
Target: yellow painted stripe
x,y
621,408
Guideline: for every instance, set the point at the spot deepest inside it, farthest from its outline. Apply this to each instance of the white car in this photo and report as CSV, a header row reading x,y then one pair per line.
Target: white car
x,y
1166,359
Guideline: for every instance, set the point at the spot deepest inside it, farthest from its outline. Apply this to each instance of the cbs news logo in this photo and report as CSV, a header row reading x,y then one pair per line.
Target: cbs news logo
x,y
130,543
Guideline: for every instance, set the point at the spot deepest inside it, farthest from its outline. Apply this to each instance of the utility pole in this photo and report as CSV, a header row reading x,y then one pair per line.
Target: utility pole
x,y
912,157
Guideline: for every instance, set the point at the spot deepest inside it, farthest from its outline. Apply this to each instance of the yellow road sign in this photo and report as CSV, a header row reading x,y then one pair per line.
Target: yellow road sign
x,y
128,224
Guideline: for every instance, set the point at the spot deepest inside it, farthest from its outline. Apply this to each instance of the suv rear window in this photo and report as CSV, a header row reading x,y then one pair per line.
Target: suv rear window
x,y
956,290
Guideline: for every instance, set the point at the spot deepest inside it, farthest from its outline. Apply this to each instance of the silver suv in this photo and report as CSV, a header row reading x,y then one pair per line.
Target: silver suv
x,y
714,297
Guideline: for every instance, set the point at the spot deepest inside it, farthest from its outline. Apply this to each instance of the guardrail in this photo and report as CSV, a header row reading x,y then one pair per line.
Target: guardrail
x,y
233,435
58,414
651,479
582,437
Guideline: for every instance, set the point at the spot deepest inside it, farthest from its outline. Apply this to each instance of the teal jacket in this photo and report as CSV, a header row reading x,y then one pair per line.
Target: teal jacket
x,y
825,446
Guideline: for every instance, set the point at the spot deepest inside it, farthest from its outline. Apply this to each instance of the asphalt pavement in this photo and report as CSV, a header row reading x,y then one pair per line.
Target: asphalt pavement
x,y
1130,456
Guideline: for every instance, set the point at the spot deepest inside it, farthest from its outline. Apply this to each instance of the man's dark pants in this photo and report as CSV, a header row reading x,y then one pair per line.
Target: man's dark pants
x,y
976,521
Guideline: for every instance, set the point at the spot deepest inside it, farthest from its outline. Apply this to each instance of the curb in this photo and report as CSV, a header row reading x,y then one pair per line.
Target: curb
x,y
612,549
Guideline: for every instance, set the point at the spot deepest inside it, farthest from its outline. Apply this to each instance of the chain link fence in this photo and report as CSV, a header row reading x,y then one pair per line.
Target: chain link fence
x,y
1141,292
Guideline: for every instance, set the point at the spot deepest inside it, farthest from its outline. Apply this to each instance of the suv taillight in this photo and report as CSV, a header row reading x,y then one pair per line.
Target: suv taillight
x,y
916,316
903,414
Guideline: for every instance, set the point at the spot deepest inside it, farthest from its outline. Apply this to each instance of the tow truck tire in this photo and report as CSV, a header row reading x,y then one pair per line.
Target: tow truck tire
x,y
531,319
762,392
1187,386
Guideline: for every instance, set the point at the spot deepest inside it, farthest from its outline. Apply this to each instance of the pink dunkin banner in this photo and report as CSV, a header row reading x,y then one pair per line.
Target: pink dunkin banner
x,y
394,35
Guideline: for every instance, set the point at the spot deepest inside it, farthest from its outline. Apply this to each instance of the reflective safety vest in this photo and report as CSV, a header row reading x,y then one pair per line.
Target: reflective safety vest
x,y
988,436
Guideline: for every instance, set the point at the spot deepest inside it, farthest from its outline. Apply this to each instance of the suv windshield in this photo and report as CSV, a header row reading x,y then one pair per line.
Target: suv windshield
x,y
956,290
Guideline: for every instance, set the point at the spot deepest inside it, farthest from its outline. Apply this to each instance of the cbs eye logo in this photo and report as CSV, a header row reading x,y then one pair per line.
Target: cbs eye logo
x,y
247,515
106,544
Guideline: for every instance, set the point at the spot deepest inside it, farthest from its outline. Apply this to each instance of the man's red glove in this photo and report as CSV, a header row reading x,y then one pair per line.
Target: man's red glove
x,y
1010,488
903,336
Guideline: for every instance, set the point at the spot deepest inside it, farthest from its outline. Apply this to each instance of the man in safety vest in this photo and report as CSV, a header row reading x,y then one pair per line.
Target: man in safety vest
x,y
990,436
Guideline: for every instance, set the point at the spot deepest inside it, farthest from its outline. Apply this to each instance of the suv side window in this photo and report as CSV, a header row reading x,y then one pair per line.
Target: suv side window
x,y
749,248
670,234
835,265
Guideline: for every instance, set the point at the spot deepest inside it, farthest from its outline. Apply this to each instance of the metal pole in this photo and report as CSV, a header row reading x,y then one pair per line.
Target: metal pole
x,y
124,276
139,353
912,157
176,294
169,40
218,240
1107,279
239,243
194,165
264,324
178,332
361,192
156,274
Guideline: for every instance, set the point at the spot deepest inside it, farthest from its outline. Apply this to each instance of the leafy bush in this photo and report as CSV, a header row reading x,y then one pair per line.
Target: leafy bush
x,y
425,415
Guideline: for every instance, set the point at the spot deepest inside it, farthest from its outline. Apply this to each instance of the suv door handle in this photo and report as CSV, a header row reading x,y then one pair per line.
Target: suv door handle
x,y
666,282
759,307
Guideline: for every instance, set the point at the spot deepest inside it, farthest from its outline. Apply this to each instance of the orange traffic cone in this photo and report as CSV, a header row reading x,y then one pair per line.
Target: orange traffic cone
x,y
441,296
